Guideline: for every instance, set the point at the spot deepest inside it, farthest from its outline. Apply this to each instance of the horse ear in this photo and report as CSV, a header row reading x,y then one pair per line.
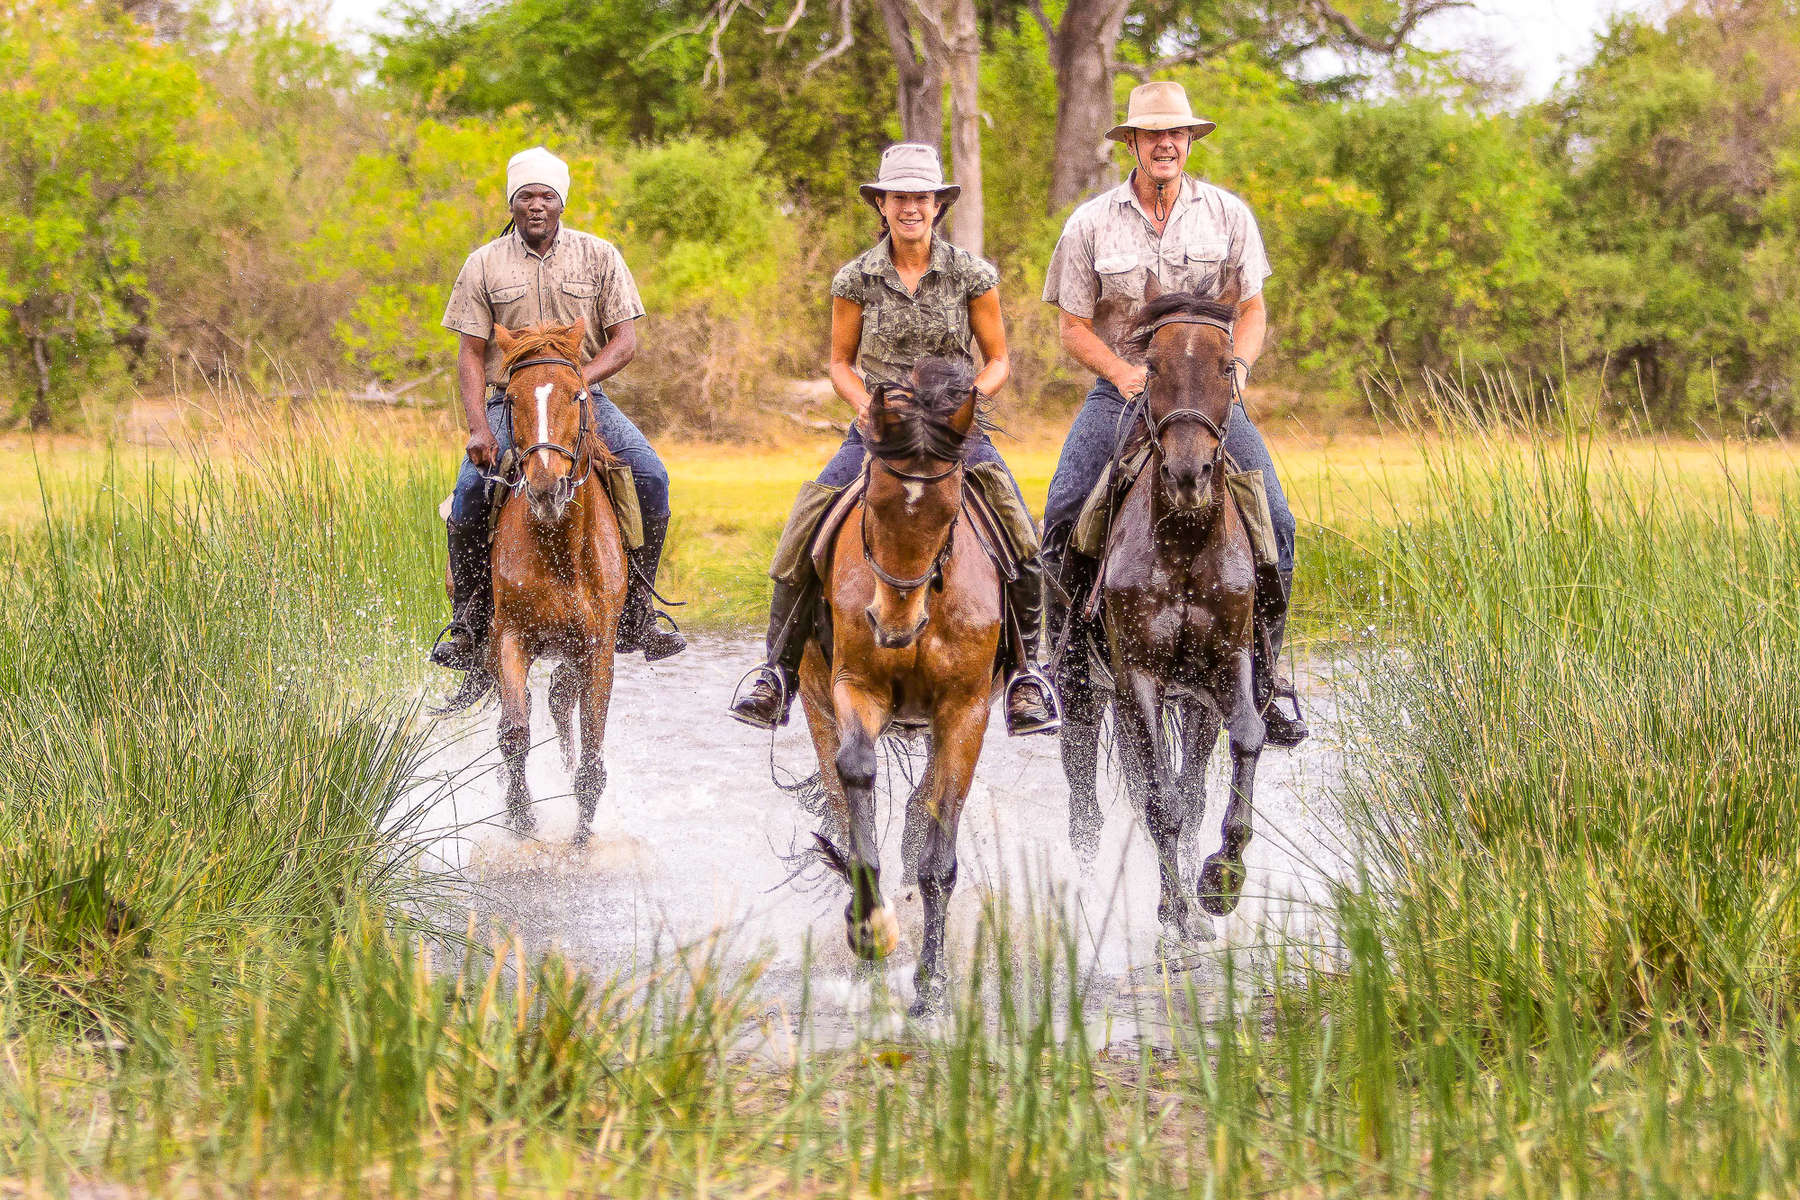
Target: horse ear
x,y
1152,286
1232,291
574,335
504,337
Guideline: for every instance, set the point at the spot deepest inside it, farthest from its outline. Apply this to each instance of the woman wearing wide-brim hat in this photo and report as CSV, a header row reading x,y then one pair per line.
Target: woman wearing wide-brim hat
x,y
911,296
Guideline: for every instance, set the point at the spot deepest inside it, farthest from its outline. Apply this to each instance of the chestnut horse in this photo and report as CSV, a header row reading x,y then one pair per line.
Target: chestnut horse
x,y
915,612
559,567
1177,589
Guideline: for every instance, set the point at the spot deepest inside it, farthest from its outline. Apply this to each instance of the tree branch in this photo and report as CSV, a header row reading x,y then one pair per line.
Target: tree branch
x,y
846,39
1411,13
1043,20
782,30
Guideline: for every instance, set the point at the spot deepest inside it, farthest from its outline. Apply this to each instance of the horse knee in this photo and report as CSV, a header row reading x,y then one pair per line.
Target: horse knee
x,y
856,763
515,740
937,875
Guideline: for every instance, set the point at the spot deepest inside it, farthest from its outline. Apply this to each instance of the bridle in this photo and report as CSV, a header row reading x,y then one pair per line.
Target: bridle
x,y
936,569
1160,425
583,428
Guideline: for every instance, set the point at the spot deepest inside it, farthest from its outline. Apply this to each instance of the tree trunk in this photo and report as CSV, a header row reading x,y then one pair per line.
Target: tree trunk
x,y
953,44
921,83
1082,54
39,415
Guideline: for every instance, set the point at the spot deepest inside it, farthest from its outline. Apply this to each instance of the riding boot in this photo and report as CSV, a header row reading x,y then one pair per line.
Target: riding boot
x,y
461,646
1268,686
637,624
767,693
1030,700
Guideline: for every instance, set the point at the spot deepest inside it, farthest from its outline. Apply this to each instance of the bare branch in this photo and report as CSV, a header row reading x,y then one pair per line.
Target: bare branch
x,y
1411,13
1043,20
786,27
846,38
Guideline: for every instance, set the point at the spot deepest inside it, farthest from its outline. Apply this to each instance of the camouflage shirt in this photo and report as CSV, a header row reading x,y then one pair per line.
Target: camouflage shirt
x,y
900,327
580,277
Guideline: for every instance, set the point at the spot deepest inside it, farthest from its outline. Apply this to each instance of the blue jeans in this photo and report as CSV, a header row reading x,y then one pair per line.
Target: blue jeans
x,y
469,507
1089,447
847,463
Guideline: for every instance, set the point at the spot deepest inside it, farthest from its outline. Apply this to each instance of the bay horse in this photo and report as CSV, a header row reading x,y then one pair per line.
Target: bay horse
x,y
915,611
559,567
1177,594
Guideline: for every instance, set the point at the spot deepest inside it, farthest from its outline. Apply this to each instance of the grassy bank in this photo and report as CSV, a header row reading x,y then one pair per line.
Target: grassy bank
x,y
1567,969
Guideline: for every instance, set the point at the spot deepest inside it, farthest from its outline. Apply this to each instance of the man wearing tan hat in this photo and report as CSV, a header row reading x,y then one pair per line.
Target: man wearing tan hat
x,y
1165,230
537,271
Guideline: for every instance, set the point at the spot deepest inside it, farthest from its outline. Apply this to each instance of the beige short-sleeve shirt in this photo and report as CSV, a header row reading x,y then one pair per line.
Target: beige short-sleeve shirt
x,y
580,277
1109,248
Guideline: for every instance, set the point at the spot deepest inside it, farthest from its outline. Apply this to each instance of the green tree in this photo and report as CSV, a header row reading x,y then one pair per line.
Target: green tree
x,y
95,117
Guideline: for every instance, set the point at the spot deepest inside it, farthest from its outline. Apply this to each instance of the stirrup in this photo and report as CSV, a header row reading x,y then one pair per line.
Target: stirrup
x,y
1031,674
784,701
474,651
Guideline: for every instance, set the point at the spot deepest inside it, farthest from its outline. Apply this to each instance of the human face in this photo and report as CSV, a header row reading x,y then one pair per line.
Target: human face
x,y
537,211
909,215
1162,155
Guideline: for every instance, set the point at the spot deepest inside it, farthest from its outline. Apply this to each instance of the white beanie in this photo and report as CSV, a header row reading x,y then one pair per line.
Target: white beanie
x,y
536,165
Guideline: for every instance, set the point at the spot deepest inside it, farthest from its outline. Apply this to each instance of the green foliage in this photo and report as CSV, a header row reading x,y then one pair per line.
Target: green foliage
x,y
95,118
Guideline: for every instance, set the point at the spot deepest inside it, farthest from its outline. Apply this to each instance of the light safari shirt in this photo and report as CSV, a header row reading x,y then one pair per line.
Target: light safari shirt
x,y
1110,247
580,277
899,327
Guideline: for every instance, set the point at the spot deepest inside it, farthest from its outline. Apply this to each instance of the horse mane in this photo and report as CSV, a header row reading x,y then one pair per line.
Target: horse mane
x,y
534,340
922,426
1137,341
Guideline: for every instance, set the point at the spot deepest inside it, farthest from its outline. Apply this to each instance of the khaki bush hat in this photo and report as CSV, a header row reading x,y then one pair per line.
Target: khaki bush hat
x,y
911,167
1157,106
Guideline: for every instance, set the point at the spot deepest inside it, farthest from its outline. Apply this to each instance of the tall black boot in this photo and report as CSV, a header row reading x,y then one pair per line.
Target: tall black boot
x,y
767,693
637,624
472,604
1268,687
1030,700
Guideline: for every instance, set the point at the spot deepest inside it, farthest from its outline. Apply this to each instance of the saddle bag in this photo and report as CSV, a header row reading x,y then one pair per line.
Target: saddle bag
x,y
622,488
1246,488
1016,527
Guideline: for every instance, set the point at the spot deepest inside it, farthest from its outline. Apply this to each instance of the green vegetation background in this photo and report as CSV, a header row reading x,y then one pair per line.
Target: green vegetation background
x,y
243,199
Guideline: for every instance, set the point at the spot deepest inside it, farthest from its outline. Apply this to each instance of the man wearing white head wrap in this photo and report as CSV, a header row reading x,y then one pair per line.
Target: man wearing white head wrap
x,y
535,272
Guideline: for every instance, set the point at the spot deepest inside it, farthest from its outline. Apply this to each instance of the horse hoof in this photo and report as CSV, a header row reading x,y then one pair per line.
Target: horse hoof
x,y
1221,884
876,937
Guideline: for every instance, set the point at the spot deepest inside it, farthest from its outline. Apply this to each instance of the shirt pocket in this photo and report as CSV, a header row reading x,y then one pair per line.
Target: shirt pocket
x,y
1203,268
511,293
1121,276
581,289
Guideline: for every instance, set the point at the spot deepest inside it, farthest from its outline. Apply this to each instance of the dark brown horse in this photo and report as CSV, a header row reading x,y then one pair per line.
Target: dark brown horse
x,y
1177,591
915,613
559,567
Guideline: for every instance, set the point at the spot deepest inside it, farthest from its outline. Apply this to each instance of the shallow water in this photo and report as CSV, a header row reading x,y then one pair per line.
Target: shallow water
x,y
692,838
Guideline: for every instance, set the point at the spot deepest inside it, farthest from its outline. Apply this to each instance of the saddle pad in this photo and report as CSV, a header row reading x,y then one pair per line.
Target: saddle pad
x,y
835,516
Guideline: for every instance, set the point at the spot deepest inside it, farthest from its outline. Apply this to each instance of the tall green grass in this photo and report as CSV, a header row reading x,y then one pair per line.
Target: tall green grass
x,y
1564,966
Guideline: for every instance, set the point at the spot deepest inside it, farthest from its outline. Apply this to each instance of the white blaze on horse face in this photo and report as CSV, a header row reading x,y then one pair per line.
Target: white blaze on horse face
x,y
543,399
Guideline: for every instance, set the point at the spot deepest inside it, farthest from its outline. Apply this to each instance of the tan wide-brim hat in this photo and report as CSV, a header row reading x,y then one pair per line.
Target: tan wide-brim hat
x,y
1155,107
911,167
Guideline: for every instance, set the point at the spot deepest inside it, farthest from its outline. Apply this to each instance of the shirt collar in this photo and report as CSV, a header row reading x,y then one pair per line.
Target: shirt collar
x,y
881,259
1124,194
549,251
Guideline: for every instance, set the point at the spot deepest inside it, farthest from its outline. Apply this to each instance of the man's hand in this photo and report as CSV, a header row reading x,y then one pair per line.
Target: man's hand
x,y
1130,379
482,448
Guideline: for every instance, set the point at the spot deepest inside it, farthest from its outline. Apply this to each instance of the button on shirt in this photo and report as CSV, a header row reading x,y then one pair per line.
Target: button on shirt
x,y
1110,247
578,278
901,327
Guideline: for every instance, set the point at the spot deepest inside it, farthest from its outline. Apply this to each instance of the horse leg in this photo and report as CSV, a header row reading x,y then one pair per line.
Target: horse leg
x,y
595,682
912,837
821,720
1082,710
956,745
869,924
1222,877
1199,734
515,731
1138,718
565,693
